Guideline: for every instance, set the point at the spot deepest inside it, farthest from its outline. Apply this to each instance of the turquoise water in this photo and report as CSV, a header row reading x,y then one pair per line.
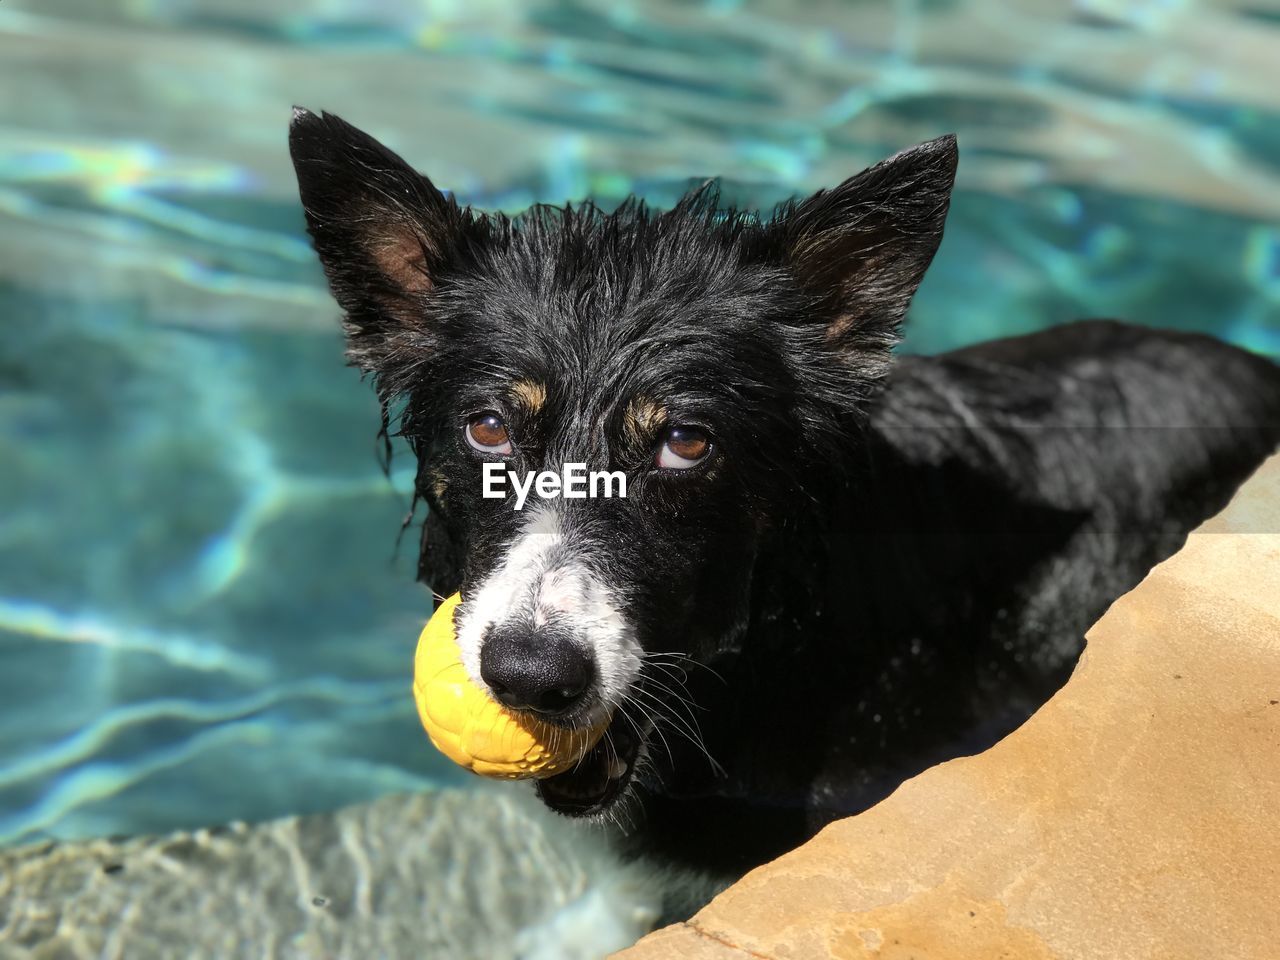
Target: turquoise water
x,y
202,612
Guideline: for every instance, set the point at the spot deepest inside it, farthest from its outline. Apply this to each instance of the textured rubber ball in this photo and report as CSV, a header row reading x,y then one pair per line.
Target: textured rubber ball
x,y
475,731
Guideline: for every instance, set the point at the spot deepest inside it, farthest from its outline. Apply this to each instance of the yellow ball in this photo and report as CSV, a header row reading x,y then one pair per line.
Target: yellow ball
x,y
474,731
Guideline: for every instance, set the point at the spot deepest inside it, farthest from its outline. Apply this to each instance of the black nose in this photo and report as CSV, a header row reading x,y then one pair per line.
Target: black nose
x,y
538,670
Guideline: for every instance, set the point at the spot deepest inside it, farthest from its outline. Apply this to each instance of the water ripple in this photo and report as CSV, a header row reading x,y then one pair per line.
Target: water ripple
x,y
85,743
187,652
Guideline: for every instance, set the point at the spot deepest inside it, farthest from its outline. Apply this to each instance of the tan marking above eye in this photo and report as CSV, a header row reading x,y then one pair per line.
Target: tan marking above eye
x,y
641,419
529,394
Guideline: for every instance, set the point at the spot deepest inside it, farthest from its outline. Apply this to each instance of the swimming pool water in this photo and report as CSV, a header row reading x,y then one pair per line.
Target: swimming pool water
x,y
203,615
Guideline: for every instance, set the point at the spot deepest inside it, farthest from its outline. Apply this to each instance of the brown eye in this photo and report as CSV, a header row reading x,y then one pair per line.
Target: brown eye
x,y
487,433
682,448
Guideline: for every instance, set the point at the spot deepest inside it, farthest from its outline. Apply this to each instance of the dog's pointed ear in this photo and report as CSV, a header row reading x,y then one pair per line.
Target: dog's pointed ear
x,y
382,231
862,248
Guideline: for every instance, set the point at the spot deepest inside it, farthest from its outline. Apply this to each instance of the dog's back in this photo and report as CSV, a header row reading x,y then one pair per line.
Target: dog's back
x,y
1064,465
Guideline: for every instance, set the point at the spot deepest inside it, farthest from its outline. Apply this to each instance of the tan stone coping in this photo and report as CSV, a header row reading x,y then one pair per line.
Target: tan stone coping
x,y
1135,816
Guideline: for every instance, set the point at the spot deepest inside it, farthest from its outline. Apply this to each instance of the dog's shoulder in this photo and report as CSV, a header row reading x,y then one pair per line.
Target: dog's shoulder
x,y
1095,372
1089,412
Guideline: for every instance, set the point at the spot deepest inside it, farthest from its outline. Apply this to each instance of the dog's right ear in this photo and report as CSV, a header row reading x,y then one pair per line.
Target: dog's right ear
x,y
382,231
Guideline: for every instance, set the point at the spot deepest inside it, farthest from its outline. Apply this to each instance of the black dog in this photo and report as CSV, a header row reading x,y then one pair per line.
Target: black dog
x,y
831,567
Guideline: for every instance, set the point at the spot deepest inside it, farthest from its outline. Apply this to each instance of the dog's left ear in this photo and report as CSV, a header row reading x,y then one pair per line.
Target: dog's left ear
x,y
863,247
384,234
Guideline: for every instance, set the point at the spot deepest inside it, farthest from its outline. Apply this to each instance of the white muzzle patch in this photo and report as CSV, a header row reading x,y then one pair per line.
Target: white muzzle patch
x,y
540,578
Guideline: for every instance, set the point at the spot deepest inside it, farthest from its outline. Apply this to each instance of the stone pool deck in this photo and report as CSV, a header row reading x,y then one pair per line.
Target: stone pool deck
x,y
1135,816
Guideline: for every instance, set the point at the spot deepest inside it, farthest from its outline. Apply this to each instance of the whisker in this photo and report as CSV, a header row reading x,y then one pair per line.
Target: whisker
x,y
684,698
689,728
681,656
630,698
676,673
664,709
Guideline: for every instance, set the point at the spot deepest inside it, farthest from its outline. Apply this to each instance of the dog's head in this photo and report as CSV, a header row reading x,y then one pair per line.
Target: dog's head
x,y
715,362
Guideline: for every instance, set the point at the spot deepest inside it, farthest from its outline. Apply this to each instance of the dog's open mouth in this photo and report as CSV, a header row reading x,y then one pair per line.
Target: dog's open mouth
x,y
599,778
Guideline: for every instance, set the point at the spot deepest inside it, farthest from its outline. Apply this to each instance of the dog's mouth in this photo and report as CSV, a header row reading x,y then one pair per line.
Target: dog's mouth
x,y
602,775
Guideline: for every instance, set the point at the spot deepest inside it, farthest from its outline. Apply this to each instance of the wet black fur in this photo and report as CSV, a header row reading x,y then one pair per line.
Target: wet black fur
x,y
886,561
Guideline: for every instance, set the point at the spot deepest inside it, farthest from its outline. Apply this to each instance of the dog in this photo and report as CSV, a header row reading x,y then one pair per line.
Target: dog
x,y
834,565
